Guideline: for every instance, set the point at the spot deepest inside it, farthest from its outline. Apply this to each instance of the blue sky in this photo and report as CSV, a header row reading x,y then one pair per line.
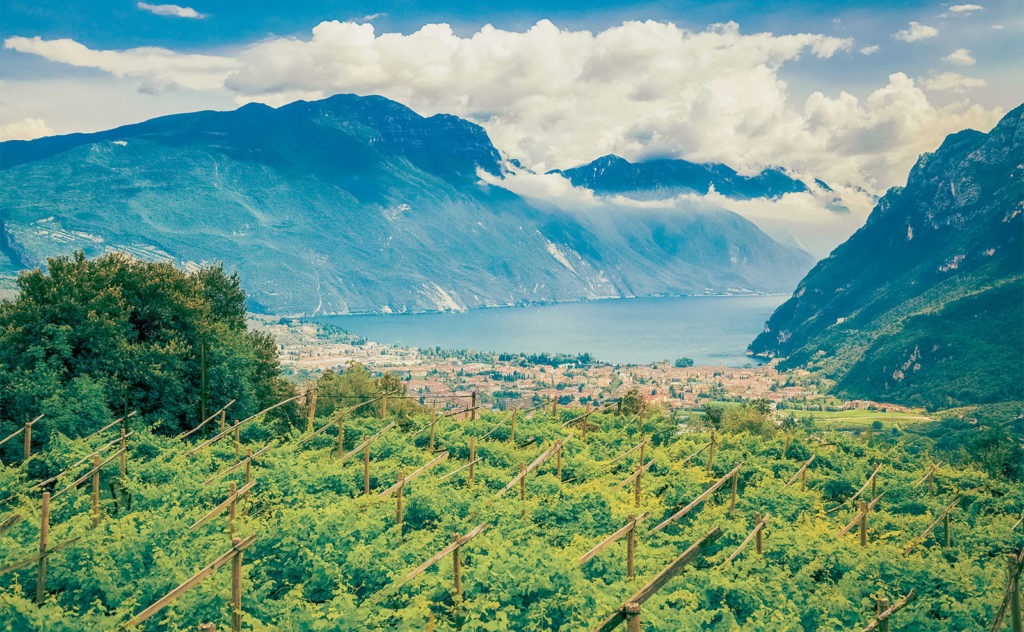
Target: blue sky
x,y
816,91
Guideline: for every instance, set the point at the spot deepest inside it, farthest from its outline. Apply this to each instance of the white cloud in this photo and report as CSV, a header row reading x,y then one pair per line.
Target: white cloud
x,y
960,57
952,82
172,10
372,16
25,129
965,9
556,98
161,68
869,50
916,31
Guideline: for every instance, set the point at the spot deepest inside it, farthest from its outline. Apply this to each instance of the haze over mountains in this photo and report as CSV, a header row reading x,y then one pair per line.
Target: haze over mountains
x,y
925,303
358,204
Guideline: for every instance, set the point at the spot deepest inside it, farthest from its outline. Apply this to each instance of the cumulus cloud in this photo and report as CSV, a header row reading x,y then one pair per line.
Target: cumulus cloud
x,y
556,98
965,9
171,10
916,31
952,82
869,50
160,67
960,57
25,129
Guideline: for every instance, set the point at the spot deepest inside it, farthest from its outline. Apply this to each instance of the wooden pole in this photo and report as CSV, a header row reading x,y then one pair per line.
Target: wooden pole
x,y
233,491
472,458
124,448
639,474
341,435
803,480
248,465
238,443
630,547
559,463
881,606
631,611
44,532
874,492
384,406
863,523
95,490
202,373
1015,617
522,485
758,543
398,502
586,422
711,452
366,466
472,408
457,571
432,422
223,420
512,433
236,588
735,482
28,440
312,411
554,405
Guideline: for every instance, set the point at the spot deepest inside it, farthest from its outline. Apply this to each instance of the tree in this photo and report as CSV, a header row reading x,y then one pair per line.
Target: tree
x,y
632,402
87,338
682,363
713,415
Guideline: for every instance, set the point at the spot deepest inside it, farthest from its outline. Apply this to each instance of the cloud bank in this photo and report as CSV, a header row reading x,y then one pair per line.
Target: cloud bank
x,y
171,10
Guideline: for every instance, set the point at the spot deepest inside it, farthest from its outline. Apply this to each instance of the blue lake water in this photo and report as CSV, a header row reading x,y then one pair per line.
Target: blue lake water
x,y
713,330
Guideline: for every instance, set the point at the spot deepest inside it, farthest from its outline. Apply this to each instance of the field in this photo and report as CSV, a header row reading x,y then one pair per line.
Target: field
x,y
323,555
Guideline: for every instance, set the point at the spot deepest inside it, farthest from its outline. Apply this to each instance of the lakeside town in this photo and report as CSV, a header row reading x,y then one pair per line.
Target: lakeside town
x,y
439,377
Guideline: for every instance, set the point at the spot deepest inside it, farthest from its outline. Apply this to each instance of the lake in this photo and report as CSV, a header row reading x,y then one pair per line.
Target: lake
x,y
713,330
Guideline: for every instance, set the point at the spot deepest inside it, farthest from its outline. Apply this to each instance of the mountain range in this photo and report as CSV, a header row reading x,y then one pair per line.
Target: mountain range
x,y
925,303
358,204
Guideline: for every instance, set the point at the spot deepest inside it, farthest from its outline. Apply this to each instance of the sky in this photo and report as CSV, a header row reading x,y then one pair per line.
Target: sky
x,y
851,92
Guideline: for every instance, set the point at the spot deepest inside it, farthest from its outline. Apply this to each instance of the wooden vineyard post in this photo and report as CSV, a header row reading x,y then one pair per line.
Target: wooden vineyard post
x,y
631,611
512,432
44,532
341,434
639,474
874,493
803,480
558,461
432,422
248,465
384,406
735,482
630,547
1015,616
124,448
863,523
472,410
232,491
554,405
457,571
223,420
238,443
312,411
236,588
472,458
522,486
881,606
586,422
28,440
398,501
95,490
711,452
758,543
366,466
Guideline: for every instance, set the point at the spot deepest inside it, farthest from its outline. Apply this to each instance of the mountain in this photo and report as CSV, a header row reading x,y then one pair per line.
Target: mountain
x,y
358,204
665,177
925,303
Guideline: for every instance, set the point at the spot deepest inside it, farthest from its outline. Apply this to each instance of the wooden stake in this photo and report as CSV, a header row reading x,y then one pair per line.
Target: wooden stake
x,y
874,492
630,548
124,448
554,405
863,523
711,452
758,543
735,482
472,408
384,406
366,467
312,411
202,386
559,462
238,443
398,502
472,458
522,485
512,434
28,440
223,420
236,588
631,611
1015,616
44,532
803,480
341,435
248,465
457,571
639,474
232,491
586,422
881,606
95,490
432,422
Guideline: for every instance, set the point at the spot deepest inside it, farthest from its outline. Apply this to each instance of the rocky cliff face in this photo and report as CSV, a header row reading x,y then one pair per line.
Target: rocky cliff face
x,y
358,204
925,303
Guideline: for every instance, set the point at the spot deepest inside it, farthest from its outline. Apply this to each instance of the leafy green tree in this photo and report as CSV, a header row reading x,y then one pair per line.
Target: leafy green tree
x,y
682,363
87,338
632,402
713,415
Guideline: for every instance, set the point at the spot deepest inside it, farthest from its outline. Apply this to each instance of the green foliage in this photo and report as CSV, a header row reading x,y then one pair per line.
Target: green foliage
x,y
328,558
682,363
88,337
633,402
337,391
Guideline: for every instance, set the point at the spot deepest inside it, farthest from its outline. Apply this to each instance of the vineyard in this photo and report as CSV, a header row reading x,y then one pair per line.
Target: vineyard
x,y
471,519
